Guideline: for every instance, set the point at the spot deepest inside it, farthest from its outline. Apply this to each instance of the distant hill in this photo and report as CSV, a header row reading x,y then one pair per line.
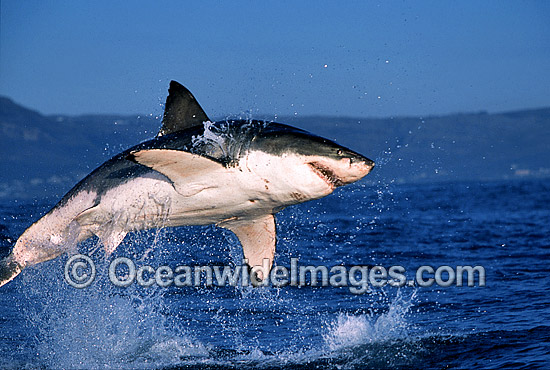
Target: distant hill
x,y
43,156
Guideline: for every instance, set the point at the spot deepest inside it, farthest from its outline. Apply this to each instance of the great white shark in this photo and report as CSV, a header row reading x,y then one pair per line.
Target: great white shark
x,y
235,174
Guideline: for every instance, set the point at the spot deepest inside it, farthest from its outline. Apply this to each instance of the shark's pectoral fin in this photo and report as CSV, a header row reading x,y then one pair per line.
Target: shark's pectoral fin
x,y
185,170
258,239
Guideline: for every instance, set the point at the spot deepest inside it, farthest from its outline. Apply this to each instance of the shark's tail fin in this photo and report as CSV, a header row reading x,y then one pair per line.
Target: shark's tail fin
x,y
9,269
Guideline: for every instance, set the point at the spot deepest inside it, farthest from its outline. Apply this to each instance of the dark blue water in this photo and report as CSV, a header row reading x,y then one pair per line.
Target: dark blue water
x,y
502,226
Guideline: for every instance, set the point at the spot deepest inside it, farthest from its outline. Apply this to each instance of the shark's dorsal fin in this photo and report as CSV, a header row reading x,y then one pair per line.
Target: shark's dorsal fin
x,y
181,110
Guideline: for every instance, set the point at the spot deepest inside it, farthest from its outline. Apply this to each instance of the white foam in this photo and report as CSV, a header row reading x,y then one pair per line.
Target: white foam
x,y
100,327
351,331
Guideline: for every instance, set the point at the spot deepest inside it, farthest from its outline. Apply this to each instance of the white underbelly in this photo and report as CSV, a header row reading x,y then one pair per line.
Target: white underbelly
x,y
258,185
149,202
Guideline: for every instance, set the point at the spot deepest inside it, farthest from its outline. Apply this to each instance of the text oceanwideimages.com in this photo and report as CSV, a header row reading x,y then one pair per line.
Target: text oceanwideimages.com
x,y
80,272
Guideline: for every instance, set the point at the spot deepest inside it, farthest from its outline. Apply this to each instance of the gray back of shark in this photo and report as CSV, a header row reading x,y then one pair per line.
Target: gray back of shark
x,y
236,174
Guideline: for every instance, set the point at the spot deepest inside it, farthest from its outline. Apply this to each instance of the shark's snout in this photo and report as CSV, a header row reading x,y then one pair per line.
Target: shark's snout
x,y
352,166
359,167
365,165
358,158
368,164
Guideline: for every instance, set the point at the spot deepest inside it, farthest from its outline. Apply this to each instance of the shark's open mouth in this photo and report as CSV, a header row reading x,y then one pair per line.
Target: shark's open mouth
x,y
326,174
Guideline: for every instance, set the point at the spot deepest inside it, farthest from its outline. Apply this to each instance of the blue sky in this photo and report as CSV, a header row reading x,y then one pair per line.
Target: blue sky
x,y
352,58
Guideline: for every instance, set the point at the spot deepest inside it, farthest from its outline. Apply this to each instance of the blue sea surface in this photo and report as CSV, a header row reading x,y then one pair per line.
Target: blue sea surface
x,y
502,226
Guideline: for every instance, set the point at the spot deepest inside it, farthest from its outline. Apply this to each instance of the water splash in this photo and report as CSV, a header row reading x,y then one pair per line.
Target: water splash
x,y
112,332
352,331
225,140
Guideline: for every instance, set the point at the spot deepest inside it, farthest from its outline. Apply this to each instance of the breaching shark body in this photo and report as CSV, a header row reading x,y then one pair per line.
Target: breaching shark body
x,y
236,174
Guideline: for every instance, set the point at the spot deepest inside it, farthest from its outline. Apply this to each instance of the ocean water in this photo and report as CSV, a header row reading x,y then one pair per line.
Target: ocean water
x,y
502,226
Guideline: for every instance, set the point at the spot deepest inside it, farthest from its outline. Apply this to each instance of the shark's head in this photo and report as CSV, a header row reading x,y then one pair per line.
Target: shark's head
x,y
311,161
338,165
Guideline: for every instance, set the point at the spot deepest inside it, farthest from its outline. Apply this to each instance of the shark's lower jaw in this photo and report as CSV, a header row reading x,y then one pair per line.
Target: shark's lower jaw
x,y
326,174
